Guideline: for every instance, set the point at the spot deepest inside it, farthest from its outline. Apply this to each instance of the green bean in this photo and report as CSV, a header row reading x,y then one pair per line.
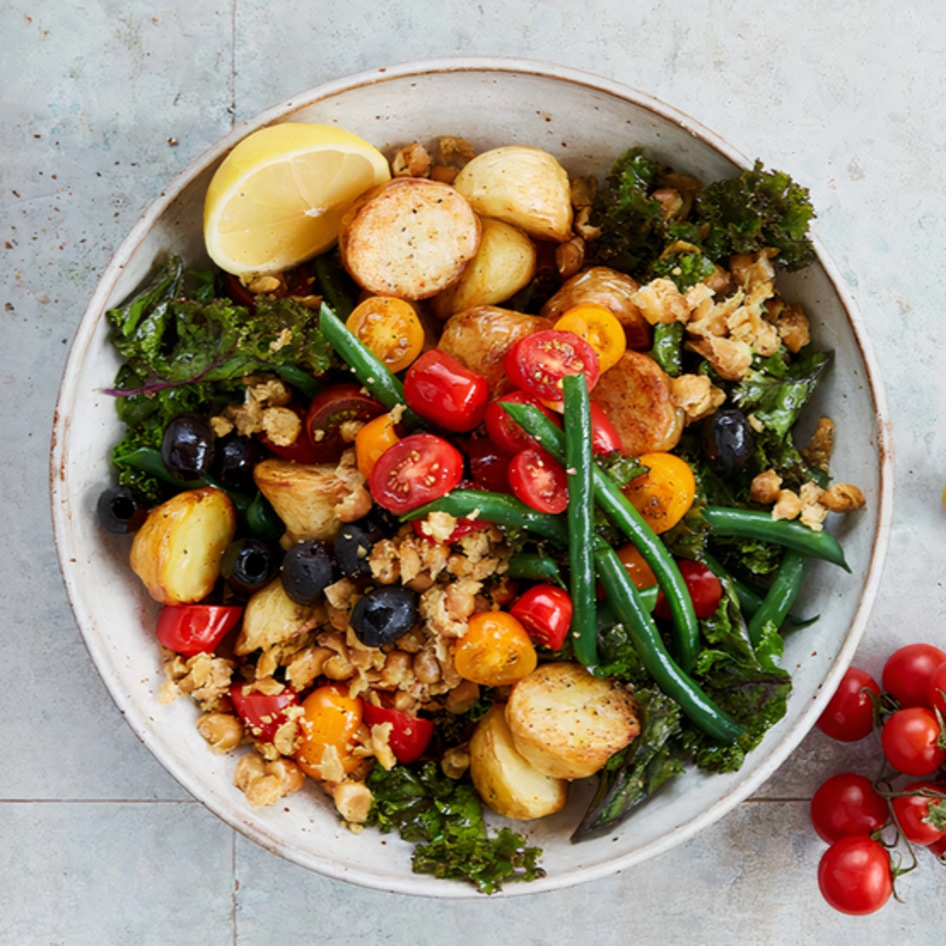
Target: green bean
x,y
678,685
534,567
615,506
580,513
300,379
780,596
755,524
331,278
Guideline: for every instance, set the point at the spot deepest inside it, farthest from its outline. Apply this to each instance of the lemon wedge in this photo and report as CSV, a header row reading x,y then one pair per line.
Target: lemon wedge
x,y
278,197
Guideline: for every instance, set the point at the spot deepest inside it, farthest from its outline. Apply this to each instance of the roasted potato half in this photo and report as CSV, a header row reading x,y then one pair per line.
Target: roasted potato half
x,y
523,185
177,552
504,264
508,783
567,723
272,617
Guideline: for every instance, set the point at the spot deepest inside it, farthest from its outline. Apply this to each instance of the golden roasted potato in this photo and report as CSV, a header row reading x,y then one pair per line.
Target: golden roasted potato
x,y
504,264
410,238
567,723
177,552
481,336
523,185
272,617
507,783
610,288
312,500
636,394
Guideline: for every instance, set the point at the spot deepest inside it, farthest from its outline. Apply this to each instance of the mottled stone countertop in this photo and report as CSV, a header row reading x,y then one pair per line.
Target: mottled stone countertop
x,y
103,101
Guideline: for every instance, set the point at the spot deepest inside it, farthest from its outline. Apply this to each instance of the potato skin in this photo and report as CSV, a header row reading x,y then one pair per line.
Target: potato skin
x,y
506,782
177,551
567,723
409,238
481,336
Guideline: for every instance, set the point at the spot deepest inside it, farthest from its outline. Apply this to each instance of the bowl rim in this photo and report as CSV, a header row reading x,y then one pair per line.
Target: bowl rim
x,y
95,308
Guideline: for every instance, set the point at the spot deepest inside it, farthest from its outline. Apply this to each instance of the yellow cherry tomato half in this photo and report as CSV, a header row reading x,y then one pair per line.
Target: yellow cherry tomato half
x,y
496,650
634,564
372,440
599,327
664,493
389,328
330,719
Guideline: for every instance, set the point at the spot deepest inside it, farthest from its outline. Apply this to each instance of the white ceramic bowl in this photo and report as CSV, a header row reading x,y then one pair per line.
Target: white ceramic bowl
x,y
586,121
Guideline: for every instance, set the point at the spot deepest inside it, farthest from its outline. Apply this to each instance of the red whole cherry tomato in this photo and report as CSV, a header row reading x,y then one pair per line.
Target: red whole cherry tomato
x,y
330,409
503,430
855,876
847,804
545,611
409,735
849,715
907,673
416,470
539,480
913,742
446,392
922,817
538,362
936,698
604,435
488,464
704,588
262,713
938,848
190,629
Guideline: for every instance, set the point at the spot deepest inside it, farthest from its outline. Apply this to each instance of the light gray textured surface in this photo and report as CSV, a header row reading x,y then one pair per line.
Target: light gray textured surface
x,y
103,101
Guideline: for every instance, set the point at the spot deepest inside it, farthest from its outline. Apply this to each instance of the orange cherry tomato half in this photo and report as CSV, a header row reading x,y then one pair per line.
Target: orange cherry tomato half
x,y
664,493
190,629
599,327
330,719
389,328
372,440
409,735
495,651
641,573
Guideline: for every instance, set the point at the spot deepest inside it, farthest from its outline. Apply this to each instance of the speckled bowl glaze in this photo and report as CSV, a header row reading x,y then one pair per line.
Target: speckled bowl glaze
x,y
586,121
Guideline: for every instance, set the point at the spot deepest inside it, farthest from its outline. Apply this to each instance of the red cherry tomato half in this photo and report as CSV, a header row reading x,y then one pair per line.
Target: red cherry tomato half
x,y
332,408
416,470
538,362
704,588
503,430
922,817
545,611
539,480
847,804
936,698
262,713
604,435
190,629
299,451
849,715
913,742
488,465
446,392
409,735
907,673
855,876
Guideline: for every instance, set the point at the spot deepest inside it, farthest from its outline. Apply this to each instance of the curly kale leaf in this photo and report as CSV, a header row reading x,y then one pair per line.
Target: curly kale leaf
x,y
685,268
443,818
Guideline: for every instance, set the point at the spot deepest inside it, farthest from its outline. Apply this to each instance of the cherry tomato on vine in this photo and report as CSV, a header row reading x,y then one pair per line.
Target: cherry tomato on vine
x,y
936,698
416,470
847,804
545,611
190,629
329,722
922,817
855,875
539,480
495,650
907,673
913,742
262,713
704,588
329,411
409,735
538,362
446,392
849,715
503,430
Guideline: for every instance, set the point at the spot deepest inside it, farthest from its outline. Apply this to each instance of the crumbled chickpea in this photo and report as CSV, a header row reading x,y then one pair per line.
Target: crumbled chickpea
x,y
412,160
455,761
819,448
787,505
264,783
843,497
353,801
765,487
223,731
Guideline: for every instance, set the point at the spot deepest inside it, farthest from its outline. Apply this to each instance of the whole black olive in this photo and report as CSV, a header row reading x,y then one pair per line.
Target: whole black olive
x,y
120,510
187,446
352,546
234,459
728,439
384,614
249,564
307,569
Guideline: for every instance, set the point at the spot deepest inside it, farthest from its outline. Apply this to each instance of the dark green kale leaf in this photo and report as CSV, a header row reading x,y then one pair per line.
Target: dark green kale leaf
x,y
443,818
685,267
667,347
